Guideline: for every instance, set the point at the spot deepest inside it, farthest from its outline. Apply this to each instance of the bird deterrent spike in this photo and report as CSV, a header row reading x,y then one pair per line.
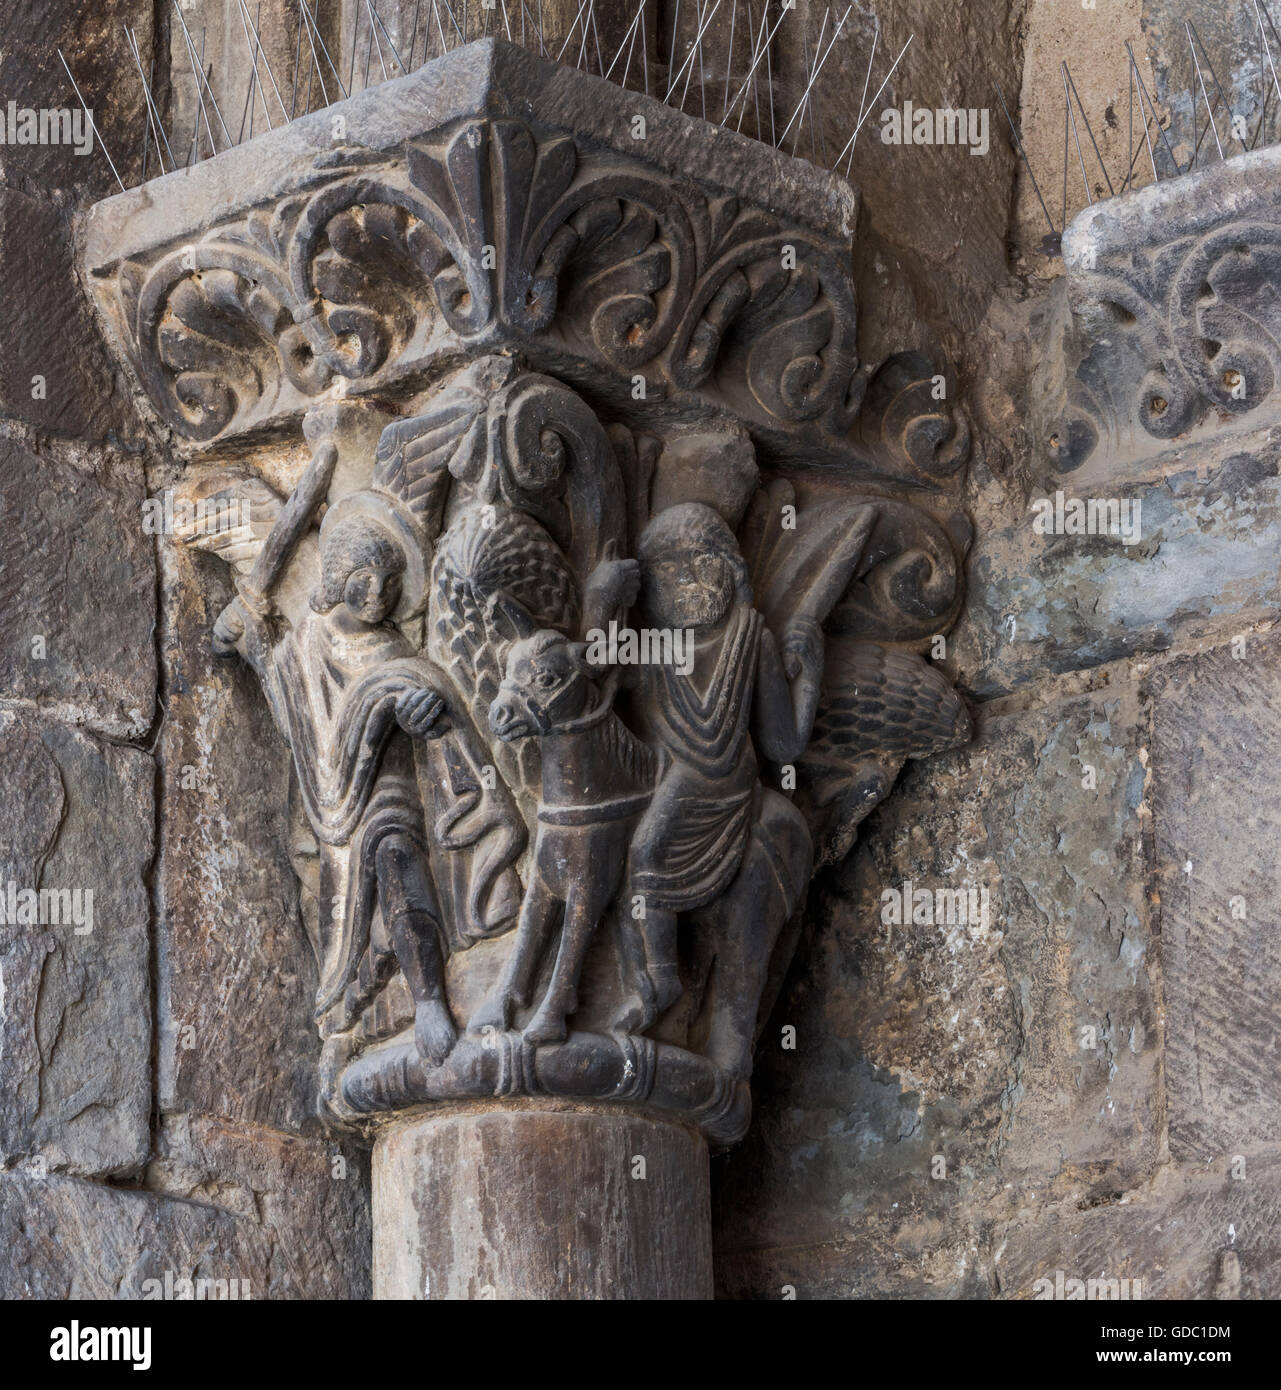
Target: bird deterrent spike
x,y
1018,142
853,140
92,123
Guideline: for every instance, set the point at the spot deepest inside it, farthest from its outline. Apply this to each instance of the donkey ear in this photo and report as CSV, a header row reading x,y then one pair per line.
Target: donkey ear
x,y
512,619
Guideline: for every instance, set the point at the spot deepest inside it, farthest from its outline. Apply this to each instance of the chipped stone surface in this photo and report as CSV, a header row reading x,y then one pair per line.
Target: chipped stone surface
x,y
312,1195
65,1238
75,1004
1206,561
55,376
31,75
230,938
963,1042
1175,1236
70,1239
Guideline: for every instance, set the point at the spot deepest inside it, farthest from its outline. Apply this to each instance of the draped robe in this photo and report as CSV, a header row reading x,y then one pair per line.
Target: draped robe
x,y
361,779
692,838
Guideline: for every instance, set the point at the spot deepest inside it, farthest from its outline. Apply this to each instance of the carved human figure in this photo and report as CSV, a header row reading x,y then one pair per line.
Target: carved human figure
x,y
341,685
714,841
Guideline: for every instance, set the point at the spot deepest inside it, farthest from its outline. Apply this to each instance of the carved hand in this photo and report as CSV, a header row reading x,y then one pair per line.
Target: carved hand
x,y
417,711
803,648
229,628
613,584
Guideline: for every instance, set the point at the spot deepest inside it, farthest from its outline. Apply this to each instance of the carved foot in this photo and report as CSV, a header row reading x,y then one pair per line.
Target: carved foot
x,y
666,983
434,1032
656,991
493,1013
637,1014
229,629
547,1026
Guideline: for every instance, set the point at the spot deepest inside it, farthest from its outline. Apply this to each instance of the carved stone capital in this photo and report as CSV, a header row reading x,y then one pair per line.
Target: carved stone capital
x,y
602,610
1170,324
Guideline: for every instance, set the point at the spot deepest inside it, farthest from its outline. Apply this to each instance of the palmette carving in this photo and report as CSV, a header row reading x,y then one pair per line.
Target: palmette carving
x,y
570,726
1170,317
490,231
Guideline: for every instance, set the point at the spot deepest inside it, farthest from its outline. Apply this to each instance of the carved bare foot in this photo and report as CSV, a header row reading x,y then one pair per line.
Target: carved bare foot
x,y
547,1025
656,991
493,1013
434,1031
637,1013
666,982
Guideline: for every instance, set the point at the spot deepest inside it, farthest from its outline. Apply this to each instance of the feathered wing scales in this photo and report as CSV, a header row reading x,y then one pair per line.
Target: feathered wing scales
x,y
879,699
488,551
234,519
880,706
231,521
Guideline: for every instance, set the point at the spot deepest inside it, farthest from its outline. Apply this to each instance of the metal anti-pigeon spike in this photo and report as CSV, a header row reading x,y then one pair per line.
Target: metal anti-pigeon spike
x,y
1268,50
695,51
193,154
313,33
756,95
644,42
413,36
688,63
729,55
600,62
756,61
818,66
582,47
751,78
1165,139
582,6
293,94
395,55
1018,142
93,126
1067,97
1089,129
1134,78
202,83
853,140
158,130
867,82
1209,110
630,34
258,48
1214,77
377,45
197,68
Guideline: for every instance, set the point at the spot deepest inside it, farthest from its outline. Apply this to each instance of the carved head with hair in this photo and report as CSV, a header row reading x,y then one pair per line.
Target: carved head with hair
x,y
692,571
361,565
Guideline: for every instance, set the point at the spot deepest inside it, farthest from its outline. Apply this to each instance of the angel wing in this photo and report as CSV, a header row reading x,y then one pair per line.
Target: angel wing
x,y
880,706
266,540
803,569
232,520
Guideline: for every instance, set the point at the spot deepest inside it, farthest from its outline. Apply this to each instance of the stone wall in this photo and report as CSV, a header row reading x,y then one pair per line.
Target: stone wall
x,y
157,1116
1084,1081
1080,1084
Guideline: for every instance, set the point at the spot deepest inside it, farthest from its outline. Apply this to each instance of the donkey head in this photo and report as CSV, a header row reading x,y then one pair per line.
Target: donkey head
x,y
548,681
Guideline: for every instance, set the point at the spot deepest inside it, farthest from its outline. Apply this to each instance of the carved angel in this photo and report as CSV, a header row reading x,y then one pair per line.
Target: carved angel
x,y
415,852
